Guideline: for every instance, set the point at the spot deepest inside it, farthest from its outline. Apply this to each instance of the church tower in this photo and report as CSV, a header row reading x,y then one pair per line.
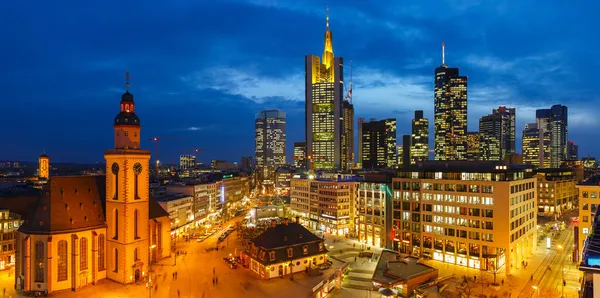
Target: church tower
x,y
127,193
44,166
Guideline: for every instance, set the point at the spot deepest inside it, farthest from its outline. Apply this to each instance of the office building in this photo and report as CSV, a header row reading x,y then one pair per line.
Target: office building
x,y
406,146
420,138
324,107
348,136
590,265
181,211
450,107
325,204
300,157
572,151
476,214
555,122
508,130
490,131
589,194
372,220
283,178
270,138
206,197
187,161
473,146
10,223
536,146
400,157
246,163
378,143
557,192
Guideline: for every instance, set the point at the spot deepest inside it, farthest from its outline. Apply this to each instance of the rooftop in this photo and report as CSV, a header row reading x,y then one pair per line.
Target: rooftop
x,y
284,235
391,269
465,166
592,181
171,197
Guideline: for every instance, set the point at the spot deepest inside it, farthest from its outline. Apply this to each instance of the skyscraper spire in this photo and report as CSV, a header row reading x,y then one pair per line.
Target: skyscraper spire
x,y
328,51
443,53
127,81
327,17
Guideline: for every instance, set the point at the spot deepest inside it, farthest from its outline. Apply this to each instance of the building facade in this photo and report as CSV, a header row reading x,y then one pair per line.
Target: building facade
x,y
372,220
490,133
406,145
206,197
348,136
473,146
508,131
474,214
589,197
572,151
450,107
554,122
187,161
536,146
44,166
419,149
180,208
324,107
378,141
9,223
270,139
325,205
557,192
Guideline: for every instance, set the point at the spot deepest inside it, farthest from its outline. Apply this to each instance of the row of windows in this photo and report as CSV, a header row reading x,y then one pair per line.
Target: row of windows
x,y
521,187
63,258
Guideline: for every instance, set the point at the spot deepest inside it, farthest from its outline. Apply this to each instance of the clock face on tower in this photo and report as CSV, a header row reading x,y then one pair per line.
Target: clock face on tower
x,y
137,168
115,168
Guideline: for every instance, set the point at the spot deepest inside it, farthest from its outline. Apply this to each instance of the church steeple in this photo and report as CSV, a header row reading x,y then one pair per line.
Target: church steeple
x,y
328,51
127,124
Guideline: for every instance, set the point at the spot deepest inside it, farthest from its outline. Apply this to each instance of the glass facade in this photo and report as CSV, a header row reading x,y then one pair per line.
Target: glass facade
x,y
378,141
419,150
450,107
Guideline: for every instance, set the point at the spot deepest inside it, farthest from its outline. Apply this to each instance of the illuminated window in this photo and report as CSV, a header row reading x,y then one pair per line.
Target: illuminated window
x,y
39,261
62,260
101,252
83,261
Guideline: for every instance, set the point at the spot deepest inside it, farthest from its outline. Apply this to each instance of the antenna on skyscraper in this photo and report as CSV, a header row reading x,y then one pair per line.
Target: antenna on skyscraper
x,y
443,53
349,94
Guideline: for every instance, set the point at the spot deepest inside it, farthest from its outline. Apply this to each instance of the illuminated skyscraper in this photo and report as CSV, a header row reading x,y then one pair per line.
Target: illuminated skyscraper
x,y
490,133
450,107
555,122
473,145
420,138
572,151
378,144
300,155
270,140
536,146
324,107
187,161
348,136
507,134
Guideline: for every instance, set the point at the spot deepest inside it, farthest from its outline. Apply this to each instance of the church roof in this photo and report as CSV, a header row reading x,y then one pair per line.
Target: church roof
x,y
155,210
67,204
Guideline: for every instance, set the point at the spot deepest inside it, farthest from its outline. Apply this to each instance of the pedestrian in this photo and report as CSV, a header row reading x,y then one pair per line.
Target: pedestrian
x,y
531,279
475,278
178,293
354,259
217,280
503,281
213,270
213,281
173,275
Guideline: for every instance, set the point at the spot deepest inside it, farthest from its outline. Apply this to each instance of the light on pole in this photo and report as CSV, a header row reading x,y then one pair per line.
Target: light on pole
x,y
537,289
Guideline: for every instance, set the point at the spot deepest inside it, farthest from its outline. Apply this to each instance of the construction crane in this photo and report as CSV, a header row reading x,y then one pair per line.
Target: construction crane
x,y
155,140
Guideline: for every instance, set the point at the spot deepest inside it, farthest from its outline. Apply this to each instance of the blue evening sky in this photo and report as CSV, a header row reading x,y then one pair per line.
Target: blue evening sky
x,y
202,70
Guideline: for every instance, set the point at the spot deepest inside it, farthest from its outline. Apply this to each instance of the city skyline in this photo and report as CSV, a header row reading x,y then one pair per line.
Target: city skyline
x,y
209,77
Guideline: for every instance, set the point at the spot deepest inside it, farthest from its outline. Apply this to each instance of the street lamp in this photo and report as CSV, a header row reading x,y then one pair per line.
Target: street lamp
x,y
537,289
562,269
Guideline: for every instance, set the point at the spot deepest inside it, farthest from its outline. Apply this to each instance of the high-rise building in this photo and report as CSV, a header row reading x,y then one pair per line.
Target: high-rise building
x,y
420,138
324,107
555,122
400,157
246,163
572,151
490,131
378,143
270,143
507,130
300,155
536,146
450,119
360,143
406,154
348,136
473,146
187,161
44,166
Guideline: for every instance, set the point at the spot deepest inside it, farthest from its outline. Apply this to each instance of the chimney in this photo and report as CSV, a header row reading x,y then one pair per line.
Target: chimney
x,y
286,221
298,219
273,223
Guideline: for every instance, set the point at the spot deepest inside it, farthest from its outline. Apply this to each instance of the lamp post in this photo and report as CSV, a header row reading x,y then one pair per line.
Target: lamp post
x,y
562,269
537,289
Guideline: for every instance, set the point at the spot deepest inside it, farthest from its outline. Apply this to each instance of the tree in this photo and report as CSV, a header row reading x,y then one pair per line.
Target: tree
x,y
493,268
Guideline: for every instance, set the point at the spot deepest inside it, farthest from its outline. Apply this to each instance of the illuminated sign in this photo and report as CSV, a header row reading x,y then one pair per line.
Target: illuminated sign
x,y
222,193
586,231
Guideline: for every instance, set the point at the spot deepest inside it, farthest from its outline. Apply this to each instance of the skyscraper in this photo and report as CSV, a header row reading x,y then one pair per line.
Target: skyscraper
x,y
360,144
270,139
536,146
473,145
450,106
348,136
300,155
324,117
490,131
572,151
507,130
406,154
378,144
420,138
555,122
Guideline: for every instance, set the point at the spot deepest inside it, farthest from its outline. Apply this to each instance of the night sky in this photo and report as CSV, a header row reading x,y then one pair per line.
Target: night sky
x,y
202,70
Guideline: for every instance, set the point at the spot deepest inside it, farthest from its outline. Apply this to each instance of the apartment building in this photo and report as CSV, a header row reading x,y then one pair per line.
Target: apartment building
x,y
325,204
474,214
207,197
372,219
556,190
589,192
